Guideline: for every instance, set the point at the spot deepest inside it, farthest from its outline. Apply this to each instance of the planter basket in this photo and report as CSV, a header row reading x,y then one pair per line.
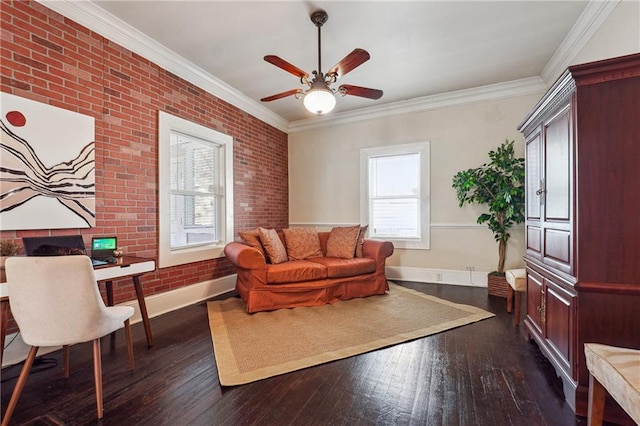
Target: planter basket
x,y
497,285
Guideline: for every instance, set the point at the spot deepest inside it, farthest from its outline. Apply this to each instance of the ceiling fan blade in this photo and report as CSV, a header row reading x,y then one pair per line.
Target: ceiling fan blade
x,y
281,95
281,63
349,63
363,92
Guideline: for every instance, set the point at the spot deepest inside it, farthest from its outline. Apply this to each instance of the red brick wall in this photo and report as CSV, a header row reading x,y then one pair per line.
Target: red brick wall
x,y
50,59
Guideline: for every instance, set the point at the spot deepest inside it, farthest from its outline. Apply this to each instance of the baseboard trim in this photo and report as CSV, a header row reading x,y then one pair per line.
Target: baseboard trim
x,y
157,304
437,276
171,300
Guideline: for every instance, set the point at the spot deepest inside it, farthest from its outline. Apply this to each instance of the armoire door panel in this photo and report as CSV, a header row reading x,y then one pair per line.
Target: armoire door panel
x,y
557,245
534,190
534,299
534,238
558,322
557,166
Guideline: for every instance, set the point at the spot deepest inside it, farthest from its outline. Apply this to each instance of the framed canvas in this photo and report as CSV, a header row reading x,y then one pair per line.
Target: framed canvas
x,y
47,166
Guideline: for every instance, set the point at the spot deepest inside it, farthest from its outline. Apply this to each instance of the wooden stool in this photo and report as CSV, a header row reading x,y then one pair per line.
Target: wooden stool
x,y
615,371
517,279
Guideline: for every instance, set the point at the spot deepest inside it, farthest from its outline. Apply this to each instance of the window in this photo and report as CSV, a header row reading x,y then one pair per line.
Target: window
x,y
395,194
195,191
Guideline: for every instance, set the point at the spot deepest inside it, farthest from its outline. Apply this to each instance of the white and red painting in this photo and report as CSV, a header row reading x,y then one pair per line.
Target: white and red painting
x,y
47,166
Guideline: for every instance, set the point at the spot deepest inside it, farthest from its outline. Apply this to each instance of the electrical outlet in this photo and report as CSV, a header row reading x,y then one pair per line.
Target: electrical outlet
x,y
438,277
470,268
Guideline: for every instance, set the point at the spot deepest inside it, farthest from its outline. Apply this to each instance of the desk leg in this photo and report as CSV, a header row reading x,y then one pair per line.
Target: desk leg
x,y
143,309
4,315
109,287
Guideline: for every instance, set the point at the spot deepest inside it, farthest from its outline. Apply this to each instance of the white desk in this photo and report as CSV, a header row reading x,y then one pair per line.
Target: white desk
x,y
127,266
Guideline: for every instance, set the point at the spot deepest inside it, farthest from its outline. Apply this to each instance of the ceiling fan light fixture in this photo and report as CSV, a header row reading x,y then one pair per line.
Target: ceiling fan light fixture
x,y
319,97
319,101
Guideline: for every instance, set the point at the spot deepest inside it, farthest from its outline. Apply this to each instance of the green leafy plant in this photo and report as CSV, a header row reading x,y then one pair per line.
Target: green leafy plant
x,y
9,248
499,185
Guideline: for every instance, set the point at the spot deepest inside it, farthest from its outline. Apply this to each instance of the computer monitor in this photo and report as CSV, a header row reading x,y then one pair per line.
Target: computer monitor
x,y
53,246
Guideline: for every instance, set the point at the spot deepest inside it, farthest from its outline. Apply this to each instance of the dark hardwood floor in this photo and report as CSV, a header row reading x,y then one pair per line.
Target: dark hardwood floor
x,y
480,374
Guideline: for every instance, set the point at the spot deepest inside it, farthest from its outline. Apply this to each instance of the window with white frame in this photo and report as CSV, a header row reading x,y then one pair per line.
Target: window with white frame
x,y
395,194
195,191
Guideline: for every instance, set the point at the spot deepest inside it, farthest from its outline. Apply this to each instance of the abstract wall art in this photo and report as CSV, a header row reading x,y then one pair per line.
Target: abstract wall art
x,y
47,166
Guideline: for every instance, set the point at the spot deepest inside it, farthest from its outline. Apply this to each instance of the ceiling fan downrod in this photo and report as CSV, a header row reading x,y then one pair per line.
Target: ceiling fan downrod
x,y
319,17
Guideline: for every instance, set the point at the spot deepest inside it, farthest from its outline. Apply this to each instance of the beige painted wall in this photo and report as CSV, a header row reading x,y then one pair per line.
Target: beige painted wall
x,y
324,163
325,180
619,35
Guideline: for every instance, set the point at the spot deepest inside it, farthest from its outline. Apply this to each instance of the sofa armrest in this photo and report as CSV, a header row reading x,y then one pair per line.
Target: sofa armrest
x,y
377,250
244,256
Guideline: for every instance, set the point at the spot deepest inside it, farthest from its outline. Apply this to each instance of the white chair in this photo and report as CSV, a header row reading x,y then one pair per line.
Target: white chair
x,y
55,302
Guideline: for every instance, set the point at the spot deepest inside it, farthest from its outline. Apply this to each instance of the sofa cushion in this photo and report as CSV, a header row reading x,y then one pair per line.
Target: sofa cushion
x,y
273,245
302,243
360,243
338,268
342,242
252,239
295,271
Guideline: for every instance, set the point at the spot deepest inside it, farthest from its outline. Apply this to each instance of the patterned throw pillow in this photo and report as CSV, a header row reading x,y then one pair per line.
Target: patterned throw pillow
x,y
360,244
302,243
273,245
342,242
252,239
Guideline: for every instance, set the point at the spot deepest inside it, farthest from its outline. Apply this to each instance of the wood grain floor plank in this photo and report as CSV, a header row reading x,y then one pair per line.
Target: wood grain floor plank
x,y
480,374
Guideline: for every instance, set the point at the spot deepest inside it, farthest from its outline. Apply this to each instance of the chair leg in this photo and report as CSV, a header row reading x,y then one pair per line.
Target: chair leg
x,y
65,361
516,315
509,298
129,339
4,317
97,373
595,410
22,380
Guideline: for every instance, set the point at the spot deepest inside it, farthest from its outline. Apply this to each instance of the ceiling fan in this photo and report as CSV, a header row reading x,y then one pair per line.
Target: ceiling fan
x,y
319,96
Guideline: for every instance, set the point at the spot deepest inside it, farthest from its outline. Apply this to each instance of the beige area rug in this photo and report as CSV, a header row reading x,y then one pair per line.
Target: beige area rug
x,y
250,347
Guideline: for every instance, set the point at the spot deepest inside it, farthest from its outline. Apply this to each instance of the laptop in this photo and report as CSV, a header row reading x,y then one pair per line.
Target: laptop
x,y
102,248
63,245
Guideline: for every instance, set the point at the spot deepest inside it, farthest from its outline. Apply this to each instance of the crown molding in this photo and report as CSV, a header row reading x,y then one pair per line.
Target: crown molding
x,y
588,23
100,21
521,87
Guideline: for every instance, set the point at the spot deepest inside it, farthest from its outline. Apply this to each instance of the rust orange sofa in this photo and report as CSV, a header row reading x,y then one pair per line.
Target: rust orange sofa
x,y
311,282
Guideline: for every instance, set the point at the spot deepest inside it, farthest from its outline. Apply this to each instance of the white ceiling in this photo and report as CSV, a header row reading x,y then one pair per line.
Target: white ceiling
x,y
418,48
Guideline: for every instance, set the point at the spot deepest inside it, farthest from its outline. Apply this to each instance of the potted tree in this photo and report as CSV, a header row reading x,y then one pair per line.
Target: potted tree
x,y
7,248
499,185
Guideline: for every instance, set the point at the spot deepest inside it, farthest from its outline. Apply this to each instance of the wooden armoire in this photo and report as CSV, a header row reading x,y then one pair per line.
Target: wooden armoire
x,y
583,217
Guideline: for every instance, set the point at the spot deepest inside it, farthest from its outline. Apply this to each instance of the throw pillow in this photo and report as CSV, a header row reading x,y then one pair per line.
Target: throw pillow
x,y
273,245
252,239
360,244
342,242
302,243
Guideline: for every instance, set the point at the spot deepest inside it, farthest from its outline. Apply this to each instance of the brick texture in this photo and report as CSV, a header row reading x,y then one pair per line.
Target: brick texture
x,y
51,59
